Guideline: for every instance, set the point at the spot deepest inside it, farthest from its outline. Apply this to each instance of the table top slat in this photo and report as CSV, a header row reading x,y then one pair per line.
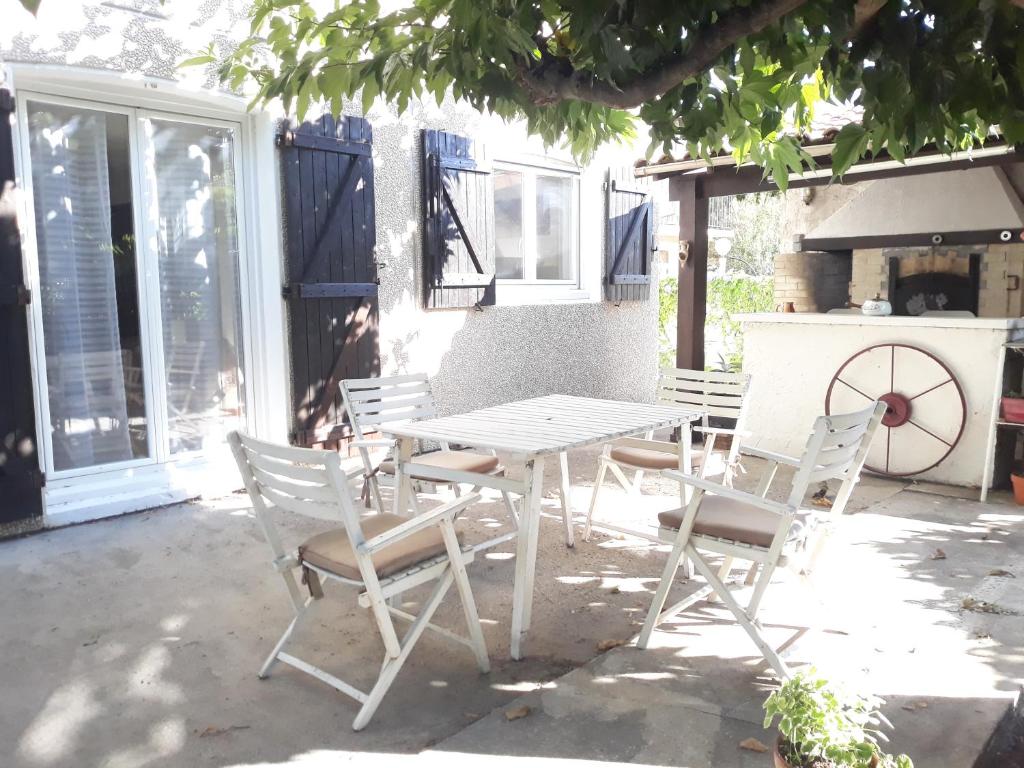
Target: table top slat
x,y
542,425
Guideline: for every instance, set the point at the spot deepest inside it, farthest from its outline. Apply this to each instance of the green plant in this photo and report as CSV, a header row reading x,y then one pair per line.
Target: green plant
x,y
739,76
825,726
668,303
731,295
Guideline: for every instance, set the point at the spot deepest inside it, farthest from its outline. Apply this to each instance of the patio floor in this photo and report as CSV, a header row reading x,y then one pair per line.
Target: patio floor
x,y
134,641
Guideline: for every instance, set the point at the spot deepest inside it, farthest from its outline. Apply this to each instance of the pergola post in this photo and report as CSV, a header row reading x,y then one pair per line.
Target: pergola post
x,y
688,194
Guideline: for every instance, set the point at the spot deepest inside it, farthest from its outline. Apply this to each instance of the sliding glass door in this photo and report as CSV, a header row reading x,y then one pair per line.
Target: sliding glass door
x,y
137,240
192,175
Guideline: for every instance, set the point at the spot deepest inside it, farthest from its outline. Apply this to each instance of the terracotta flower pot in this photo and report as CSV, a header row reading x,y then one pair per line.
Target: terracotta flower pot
x,y
1018,488
1013,409
779,760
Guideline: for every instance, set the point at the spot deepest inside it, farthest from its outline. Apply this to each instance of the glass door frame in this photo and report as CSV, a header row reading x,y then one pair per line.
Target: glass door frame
x,y
148,280
151,249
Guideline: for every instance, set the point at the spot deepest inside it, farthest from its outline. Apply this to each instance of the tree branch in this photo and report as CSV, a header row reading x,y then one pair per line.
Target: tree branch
x,y
865,10
552,81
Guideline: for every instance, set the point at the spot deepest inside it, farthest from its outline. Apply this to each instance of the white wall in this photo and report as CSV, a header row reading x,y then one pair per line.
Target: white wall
x,y
793,359
525,346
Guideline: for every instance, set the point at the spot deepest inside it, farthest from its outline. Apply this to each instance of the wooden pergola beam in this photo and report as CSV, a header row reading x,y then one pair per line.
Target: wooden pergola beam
x,y
687,192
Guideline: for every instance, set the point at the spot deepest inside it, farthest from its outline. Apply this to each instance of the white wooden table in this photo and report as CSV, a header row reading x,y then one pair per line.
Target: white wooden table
x,y
529,431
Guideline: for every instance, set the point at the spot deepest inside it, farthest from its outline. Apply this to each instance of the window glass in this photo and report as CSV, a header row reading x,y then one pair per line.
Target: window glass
x,y
556,235
197,239
85,234
508,225
536,218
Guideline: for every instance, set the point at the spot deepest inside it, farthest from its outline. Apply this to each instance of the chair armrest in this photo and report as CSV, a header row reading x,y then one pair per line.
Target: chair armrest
x,y
418,523
380,443
723,431
662,446
729,493
778,458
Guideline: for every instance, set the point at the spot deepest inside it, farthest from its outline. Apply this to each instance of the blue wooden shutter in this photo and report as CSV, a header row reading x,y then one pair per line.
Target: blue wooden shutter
x,y
629,240
330,235
458,223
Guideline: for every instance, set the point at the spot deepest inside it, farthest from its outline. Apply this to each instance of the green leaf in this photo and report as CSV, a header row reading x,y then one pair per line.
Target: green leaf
x,y
850,144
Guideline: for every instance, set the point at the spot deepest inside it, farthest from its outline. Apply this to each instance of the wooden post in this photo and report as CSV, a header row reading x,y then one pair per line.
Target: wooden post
x,y
688,194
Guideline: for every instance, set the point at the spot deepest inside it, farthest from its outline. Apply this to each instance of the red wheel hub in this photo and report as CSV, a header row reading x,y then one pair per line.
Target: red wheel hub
x,y
897,409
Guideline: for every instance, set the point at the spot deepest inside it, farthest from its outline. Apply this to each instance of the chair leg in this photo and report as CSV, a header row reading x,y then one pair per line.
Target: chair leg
x,y
375,494
661,593
744,617
752,574
391,666
601,470
458,568
564,488
292,626
621,477
723,575
510,505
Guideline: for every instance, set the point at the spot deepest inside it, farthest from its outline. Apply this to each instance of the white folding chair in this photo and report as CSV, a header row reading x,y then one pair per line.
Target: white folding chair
x,y
750,527
722,395
371,403
382,556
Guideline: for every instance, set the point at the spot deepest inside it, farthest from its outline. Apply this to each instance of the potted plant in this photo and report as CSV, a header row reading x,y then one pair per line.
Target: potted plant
x,y
1017,481
1013,407
822,726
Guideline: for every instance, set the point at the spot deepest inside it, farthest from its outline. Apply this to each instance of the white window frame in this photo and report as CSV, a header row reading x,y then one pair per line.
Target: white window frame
x,y
74,495
529,289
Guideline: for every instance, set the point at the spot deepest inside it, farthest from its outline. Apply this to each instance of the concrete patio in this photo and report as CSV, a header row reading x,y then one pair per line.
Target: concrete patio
x,y
135,641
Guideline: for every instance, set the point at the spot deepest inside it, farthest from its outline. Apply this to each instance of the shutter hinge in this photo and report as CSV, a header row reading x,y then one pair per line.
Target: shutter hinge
x,y
284,139
7,101
22,296
286,291
40,480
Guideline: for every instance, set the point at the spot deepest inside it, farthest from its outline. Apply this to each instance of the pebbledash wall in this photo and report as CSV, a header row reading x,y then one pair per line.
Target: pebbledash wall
x,y
534,341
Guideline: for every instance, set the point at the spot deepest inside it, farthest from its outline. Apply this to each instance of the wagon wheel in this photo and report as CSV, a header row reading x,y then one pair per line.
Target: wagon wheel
x,y
925,406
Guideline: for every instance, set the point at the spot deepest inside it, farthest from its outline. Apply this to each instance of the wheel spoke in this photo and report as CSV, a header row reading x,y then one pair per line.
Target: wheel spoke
x,y
929,432
930,389
892,370
869,397
888,445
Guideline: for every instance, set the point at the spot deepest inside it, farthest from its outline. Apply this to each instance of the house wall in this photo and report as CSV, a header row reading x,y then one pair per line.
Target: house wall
x,y
531,343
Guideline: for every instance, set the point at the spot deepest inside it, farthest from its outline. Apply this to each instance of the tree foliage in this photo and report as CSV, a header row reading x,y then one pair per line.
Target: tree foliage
x,y
741,76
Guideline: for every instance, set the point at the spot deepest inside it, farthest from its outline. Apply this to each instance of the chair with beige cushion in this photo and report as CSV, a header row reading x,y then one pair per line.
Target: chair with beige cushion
x,y
750,527
381,556
721,395
373,403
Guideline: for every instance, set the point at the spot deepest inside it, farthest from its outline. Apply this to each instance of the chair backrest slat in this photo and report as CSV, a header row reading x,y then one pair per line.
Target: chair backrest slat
x,y
717,394
836,450
387,400
302,481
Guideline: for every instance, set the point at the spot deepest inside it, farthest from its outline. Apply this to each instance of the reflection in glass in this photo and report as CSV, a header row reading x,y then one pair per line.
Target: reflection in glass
x,y
508,224
197,239
81,182
556,240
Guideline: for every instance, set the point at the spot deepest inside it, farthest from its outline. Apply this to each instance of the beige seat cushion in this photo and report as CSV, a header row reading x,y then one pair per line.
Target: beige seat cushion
x,y
727,519
332,551
463,461
650,459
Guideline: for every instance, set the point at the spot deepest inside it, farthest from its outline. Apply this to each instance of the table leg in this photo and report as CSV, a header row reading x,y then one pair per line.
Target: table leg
x,y
400,502
564,485
686,491
526,555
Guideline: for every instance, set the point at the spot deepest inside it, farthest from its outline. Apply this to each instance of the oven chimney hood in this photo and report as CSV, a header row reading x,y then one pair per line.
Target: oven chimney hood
x,y
974,200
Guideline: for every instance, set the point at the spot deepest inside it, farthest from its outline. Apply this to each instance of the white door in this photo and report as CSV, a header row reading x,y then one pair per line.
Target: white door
x,y
138,319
